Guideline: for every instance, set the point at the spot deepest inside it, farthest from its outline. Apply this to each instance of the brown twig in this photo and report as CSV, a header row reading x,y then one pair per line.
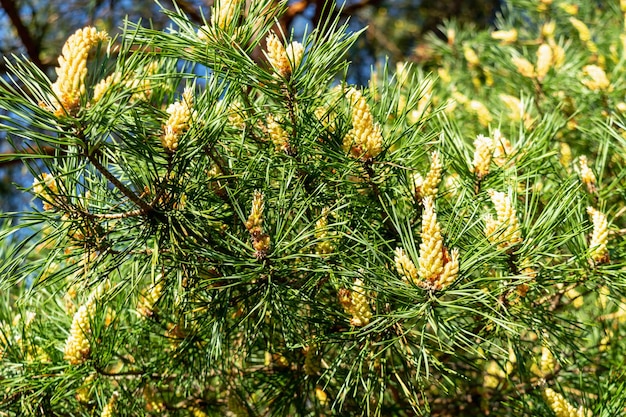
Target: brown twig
x,y
118,184
192,12
112,216
138,373
11,158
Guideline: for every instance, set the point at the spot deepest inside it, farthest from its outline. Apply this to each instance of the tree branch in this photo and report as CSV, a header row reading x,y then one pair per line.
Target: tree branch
x,y
293,10
193,13
111,216
11,158
32,47
353,8
145,207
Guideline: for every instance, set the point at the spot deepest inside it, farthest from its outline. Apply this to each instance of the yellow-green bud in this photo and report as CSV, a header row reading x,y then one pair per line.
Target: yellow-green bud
x,y
109,409
483,152
583,30
548,362
147,302
324,246
356,303
437,268
599,236
425,187
72,70
180,115
47,189
254,224
502,150
504,230
505,36
544,61
223,13
595,79
405,267
586,174
365,139
77,346
560,406
278,135
481,111
283,60
524,67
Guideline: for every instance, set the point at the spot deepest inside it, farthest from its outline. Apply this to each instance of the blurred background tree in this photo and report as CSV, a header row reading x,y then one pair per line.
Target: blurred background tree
x,y
38,28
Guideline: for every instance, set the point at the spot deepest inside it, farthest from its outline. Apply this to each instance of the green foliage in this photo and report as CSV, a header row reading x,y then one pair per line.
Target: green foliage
x,y
224,235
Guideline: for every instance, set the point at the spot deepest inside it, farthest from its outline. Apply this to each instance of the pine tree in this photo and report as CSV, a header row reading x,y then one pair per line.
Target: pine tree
x,y
220,235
